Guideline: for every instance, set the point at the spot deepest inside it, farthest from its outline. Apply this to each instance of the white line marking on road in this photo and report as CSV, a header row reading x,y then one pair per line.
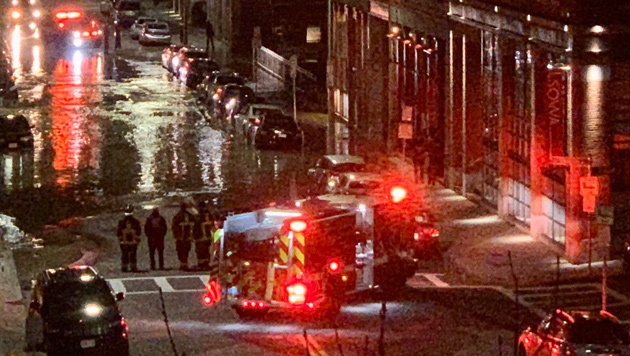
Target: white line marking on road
x,y
204,279
433,278
153,277
117,286
163,283
173,291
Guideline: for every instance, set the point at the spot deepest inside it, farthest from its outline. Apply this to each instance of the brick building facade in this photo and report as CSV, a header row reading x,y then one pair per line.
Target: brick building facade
x,y
518,99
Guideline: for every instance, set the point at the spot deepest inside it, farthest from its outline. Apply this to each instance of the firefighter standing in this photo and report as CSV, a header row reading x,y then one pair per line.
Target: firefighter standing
x,y
204,236
183,226
128,234
155,229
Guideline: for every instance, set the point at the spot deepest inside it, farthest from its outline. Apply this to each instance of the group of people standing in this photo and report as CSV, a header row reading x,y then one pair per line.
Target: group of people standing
x,y
201,229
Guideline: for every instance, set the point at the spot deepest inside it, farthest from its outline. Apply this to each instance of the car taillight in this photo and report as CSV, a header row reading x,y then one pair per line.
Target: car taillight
x,y
207,300
123,323
253,304
297,293
61,25
74,15
257,121
85,34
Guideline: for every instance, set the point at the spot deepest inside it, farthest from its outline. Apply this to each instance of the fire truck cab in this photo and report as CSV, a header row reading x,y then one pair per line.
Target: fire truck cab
x,y
307,259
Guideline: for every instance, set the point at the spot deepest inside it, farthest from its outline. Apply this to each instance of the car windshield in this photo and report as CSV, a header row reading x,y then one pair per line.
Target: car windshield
x,y
223,80
598,332
157,26
349,167
279,121
72,296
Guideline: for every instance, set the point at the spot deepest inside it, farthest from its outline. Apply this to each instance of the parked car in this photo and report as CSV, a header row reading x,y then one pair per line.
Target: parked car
x,y
192,71
167,55
73,310
134,32
331,167
215,86
251,115
426,238
277,131
232,98
183,54
8,89
575,333
15,132
356,184
155,33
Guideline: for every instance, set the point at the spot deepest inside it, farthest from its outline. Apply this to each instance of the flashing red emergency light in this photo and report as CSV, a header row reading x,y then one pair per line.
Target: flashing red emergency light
x,y
398,194
253,304
61,25
297,293
335,265
297,225
207,300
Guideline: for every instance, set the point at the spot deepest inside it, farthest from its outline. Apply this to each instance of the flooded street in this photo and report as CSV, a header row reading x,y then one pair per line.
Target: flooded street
x,y
119,127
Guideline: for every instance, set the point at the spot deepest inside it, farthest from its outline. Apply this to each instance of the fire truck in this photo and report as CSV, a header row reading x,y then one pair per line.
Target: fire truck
x,y
308,258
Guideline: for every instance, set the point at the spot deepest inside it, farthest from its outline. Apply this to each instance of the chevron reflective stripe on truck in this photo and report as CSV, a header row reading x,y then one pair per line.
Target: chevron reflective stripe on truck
x,y
284,249
298,253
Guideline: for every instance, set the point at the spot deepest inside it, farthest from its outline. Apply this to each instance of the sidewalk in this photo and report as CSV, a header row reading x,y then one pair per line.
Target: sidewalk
x,y
12,309
478,243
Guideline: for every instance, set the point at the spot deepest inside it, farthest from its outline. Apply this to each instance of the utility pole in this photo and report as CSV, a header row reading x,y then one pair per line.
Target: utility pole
x,y
185,21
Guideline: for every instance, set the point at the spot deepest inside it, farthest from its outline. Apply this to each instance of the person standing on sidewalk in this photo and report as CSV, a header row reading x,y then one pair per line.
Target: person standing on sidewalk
x,y
117,32
183,226
155,228
128,234
209,39
203,240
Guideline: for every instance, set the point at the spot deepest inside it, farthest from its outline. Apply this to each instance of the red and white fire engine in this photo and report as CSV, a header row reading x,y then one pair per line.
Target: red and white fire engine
x,y
309,258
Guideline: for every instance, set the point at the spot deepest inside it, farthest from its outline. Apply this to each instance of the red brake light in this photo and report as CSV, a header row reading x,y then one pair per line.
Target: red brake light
x,y
297,226
334,265
257,121
207,300
61,15
432,232
74,15
94,33
85,34
297,293
398,194
60,25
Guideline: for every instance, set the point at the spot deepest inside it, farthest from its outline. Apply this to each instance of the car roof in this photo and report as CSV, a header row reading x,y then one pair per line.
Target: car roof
x,y
341,159
68,274
266,106
364,176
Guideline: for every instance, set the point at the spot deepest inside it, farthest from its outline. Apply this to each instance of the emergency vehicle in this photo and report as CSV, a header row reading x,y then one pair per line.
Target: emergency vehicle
x,y
307,259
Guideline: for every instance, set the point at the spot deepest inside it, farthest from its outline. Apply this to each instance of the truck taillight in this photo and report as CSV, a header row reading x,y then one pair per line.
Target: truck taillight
x,y
297,293
432,232
207,300
253,304
335,265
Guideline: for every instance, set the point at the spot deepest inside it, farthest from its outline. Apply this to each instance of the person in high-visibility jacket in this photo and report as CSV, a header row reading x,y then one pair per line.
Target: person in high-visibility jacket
x,y
128,233
203,237
184,227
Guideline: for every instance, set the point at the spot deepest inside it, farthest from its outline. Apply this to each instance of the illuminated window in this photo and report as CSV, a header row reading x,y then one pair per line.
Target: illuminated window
x,y
341,103
313,34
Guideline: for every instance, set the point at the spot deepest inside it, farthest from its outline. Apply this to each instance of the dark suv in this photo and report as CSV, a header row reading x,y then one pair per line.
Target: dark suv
x,y
73,311
15,132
